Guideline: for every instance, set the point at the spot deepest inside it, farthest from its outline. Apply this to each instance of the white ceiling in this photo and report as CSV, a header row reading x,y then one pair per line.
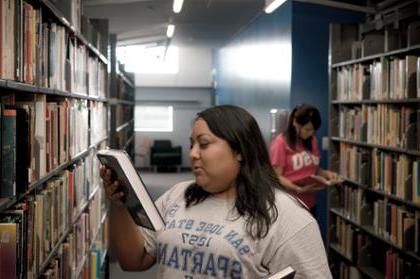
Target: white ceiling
x,y
201,22
208,22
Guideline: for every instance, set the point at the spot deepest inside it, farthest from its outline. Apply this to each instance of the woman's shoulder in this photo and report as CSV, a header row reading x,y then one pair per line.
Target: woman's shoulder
x,y
281,142
176,192
179,188
280,138
292,211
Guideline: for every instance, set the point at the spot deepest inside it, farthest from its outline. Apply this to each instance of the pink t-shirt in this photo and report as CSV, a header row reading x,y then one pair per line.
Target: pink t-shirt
x,y
296,164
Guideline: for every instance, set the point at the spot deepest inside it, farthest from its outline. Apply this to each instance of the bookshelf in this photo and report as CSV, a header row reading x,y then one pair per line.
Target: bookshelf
x,y
122,90
374,216
53,119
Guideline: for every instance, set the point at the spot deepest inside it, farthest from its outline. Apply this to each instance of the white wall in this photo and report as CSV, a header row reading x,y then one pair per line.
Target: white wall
x,y
195,65
186,102
189,91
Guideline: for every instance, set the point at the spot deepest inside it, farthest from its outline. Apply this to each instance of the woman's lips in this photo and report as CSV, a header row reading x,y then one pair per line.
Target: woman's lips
x,y
197,169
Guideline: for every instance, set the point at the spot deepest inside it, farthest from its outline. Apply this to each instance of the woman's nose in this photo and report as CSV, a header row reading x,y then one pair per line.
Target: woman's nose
x,y
194,153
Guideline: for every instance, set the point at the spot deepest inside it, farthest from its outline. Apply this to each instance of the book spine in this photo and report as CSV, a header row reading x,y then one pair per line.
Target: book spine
x,y
8,149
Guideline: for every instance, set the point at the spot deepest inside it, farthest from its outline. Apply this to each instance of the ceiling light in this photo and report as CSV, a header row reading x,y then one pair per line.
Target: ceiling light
x,y
170,31
271,5
177,7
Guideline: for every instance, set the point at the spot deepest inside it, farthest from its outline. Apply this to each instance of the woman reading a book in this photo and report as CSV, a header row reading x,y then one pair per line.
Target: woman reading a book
x,y
234,220
295,156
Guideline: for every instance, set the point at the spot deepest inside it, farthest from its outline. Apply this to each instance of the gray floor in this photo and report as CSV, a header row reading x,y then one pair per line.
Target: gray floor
x,y
157,184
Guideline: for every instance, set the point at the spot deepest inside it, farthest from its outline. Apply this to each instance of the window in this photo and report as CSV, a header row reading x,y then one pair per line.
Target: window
x,y
149,60
153,118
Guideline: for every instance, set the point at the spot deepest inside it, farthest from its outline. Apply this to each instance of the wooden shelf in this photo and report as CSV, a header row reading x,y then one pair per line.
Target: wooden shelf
x,y
372,233
129,141
371,272
373,102
79,267
387,195
406,50
382,147
345,41
6,203
114,101
33,89
125,79
62,19
336,249
54,251
124,126
54,15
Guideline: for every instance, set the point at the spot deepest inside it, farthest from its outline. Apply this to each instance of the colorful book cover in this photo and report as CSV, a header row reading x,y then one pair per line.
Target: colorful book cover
x,y
8,257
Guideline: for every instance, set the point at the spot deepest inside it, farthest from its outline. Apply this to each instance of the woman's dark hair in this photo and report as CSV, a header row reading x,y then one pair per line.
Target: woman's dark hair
x,y
256,180
302,114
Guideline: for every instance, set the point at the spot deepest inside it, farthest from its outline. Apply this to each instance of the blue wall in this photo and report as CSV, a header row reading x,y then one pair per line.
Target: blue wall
x,y
301,31
254,70
310,41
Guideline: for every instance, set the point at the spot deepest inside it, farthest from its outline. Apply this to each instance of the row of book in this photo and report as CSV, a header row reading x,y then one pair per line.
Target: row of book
x,y
123,114
36,51
392,173
397,224
387,220
80,255
98,119
384,79
360,248
375,218
65,265
383,124
89,75
398,267
122,137
39,135
354,41
33,228
124,91
72,11
343,270
97,78
87,241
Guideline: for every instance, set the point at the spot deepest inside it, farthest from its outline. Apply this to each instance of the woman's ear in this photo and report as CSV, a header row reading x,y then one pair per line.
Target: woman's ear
x,y
239,157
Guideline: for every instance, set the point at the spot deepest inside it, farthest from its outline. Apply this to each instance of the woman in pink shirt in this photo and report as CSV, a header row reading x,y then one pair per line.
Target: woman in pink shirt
x,y
295,154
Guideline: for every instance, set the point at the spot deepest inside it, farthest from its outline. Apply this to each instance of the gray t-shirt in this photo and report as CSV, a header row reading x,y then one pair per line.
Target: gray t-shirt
x,y
207,240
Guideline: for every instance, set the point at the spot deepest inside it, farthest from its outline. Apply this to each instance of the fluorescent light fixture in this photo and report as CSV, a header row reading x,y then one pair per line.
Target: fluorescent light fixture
x,y
272,5
170,31
177,6
273,110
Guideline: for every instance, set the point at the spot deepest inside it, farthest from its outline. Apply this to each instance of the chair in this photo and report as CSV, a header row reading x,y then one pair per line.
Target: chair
x,y
163,154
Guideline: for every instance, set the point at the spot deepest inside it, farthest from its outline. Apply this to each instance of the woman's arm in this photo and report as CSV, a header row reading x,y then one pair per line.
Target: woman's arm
x,y
289,185
126,239
330,175
305,253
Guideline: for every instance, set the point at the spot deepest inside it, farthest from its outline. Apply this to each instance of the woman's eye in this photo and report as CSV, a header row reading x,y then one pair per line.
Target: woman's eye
x,y
204,145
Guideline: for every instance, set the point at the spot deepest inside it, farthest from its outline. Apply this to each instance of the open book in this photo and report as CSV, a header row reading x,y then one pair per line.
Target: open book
x,y
136,198
287,273
316,179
